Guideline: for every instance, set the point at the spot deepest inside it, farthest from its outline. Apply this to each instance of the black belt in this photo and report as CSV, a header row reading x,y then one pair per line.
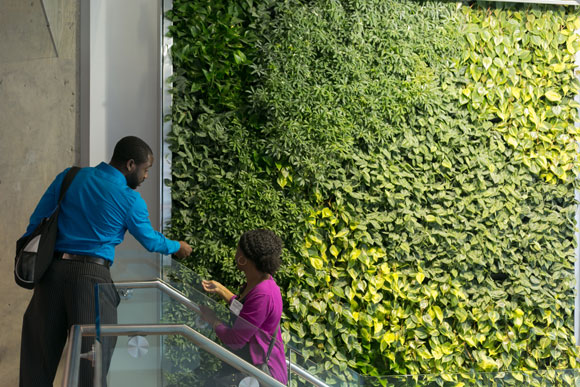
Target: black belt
x,y
84,258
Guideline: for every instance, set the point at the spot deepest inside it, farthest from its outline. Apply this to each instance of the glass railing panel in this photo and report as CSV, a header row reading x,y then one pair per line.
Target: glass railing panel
x,y
133,263
164,305
188,283
136,362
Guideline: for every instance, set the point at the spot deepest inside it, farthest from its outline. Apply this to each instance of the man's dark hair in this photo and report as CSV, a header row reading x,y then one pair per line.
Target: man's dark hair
x,y
131,147
262,247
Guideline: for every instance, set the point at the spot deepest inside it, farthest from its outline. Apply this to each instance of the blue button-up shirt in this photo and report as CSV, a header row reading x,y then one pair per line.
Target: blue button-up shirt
x,y
97,210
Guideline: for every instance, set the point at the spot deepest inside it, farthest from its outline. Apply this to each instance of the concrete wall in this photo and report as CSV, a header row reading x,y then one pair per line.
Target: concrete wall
x,y
42,131
38,136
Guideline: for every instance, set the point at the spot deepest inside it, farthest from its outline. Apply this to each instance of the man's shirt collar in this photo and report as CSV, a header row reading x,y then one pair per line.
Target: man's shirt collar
x,y
113,172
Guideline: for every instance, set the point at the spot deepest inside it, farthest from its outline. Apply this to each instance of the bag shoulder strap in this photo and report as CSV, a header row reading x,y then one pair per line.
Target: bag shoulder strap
x,y
272,345
69,177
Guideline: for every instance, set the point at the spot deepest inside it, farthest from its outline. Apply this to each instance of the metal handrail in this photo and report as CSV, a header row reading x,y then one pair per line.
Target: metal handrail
x,y
178,296
71,375
71,372
160,285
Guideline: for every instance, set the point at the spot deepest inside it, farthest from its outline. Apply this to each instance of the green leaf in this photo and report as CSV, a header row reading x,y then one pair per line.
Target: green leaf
x,y
487,61
512,141
333,250
420,277
317,263
326,213
438,313
239,57
342,233
531,363
553,96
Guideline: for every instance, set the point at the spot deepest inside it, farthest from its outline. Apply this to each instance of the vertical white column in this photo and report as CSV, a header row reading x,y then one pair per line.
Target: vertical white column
x,y
98,84
121,96
125,91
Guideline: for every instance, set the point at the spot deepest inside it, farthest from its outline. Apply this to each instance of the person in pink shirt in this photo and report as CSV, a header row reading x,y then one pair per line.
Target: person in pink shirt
x,y
258,306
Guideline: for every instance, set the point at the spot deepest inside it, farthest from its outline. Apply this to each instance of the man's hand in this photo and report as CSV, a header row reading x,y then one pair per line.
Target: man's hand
x,y
184,250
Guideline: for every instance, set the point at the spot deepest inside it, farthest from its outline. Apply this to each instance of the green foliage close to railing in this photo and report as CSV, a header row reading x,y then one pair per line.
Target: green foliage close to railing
x,y
418,237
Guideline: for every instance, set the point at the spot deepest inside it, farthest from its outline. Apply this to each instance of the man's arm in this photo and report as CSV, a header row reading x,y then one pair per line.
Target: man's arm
x,y
140,227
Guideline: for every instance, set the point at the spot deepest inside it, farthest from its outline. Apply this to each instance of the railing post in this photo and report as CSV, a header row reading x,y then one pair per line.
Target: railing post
x,y
73,358
97,364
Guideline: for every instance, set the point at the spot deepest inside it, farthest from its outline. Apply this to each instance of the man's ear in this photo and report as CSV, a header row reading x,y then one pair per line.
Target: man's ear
x,y
131,165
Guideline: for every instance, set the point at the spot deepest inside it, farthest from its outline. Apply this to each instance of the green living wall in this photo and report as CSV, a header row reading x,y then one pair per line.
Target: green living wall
x,y
416,157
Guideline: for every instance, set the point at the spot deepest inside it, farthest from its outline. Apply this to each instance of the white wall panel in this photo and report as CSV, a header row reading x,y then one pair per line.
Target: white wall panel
x,y
121,96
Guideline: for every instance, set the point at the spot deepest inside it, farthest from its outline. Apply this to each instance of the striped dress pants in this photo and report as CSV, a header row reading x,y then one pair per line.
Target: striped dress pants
x,y
65,297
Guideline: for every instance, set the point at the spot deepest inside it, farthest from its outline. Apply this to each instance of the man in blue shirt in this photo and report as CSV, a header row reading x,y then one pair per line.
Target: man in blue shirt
x,y
100,205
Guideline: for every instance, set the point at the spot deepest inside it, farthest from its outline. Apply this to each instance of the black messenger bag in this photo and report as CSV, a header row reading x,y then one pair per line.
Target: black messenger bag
x,y
34,252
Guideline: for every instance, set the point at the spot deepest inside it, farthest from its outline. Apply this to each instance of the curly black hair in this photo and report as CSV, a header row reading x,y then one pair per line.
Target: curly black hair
x,y
263,247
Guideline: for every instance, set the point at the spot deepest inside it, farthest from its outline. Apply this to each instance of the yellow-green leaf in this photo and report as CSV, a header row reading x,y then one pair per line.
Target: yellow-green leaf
x,y
317,263
531,363
553,96
333,250
326,213
424,353
281,181
512,141
487,62
315,239
341,233
438,313
499,63
420,277
558,67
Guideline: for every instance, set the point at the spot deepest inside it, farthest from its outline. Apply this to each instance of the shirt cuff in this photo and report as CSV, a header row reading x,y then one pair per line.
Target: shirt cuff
x,y
232,299
174,246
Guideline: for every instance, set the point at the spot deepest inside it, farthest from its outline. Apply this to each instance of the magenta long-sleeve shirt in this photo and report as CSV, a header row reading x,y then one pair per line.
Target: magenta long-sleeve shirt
x,y
262,309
